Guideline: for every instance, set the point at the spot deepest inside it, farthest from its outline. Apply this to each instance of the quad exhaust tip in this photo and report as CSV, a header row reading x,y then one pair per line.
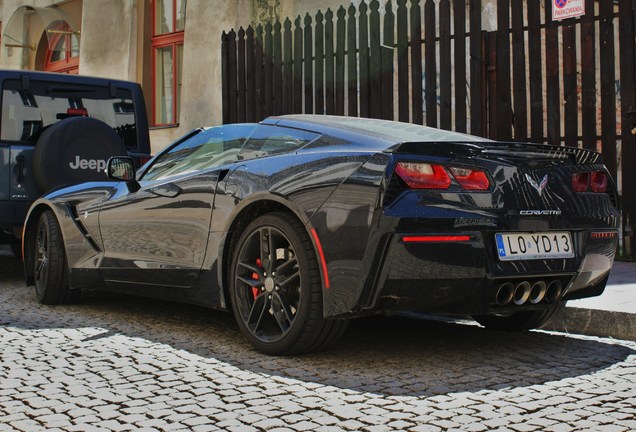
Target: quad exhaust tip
x,y
537,292
553,291
504,294
522,292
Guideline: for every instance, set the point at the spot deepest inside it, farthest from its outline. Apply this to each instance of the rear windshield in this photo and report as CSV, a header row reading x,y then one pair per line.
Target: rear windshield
x,y
27,112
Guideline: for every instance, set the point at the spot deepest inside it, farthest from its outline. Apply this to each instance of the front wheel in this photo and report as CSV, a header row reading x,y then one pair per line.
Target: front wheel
x,y
519,321
275,289
50,269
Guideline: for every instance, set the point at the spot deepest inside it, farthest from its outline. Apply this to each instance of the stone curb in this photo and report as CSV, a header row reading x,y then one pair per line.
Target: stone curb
x,y
594,322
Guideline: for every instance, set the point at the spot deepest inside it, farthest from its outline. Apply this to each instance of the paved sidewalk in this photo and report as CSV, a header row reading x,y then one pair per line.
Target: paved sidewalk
x,y
612,314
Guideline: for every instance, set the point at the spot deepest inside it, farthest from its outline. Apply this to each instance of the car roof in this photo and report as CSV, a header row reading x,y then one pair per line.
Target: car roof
x,y
63,78
391,132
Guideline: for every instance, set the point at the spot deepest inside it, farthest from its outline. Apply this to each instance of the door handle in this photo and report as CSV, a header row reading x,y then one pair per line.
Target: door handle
x,y
20,168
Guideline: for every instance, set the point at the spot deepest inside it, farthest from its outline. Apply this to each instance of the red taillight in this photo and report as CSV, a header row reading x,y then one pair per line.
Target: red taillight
x,y
419,175
598,181
471,179
604,234
423,176
580,181
77,112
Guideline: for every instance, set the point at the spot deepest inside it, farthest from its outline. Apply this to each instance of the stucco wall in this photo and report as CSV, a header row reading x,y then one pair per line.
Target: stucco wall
x,y
201,83
109,39
269,10
201,103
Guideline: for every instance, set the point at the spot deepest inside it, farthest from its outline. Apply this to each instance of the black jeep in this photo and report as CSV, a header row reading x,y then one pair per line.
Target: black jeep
x,y
57,130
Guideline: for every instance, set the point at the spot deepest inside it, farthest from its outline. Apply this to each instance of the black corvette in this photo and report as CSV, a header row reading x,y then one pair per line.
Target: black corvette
x,y
301,222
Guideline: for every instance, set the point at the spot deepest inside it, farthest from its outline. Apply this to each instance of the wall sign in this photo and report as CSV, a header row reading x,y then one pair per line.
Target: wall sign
x,y
562,9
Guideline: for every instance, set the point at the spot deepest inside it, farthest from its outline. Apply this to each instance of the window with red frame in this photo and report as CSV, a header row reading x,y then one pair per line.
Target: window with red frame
x,y
167,58
64,55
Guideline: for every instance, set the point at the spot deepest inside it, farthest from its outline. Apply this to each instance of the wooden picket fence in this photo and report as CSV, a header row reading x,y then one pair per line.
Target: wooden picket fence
x,y
432,62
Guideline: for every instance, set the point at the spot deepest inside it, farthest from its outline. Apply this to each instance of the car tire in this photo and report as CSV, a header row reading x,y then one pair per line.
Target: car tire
x,y
275,289
50,269
519,321
62,144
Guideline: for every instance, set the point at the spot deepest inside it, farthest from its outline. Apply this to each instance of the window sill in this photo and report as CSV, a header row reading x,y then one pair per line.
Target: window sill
x,y
168,126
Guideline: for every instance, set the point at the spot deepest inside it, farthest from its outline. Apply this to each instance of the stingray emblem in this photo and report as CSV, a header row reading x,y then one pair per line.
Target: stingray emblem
x,y
539,187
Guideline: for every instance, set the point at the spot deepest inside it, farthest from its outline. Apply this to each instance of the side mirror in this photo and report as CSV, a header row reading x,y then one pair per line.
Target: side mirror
x,y
121,168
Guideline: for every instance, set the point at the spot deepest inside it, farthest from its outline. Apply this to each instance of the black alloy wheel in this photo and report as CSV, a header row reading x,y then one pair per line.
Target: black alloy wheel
x,y
49,271
276,291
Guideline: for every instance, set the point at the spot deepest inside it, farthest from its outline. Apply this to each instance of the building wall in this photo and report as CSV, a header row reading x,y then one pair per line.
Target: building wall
x,y
201,88
205,21
271,10
115,42
21,58
108,45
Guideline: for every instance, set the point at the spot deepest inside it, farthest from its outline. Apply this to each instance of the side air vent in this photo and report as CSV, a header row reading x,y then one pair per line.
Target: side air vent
x,y
80,226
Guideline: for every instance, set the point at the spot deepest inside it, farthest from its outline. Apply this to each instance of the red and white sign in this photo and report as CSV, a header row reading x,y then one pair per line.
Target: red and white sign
x,y
562,9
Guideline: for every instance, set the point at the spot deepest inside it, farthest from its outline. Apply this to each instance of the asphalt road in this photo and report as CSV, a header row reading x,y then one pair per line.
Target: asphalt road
x,y
115,362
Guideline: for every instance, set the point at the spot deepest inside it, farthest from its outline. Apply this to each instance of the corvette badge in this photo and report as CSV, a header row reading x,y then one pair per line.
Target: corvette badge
x,y
539,187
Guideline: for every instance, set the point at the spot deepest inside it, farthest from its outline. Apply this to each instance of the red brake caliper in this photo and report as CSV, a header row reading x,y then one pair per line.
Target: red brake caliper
x,y
256,291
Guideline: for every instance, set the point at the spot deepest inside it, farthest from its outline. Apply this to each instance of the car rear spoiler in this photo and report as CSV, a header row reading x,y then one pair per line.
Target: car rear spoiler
x,y
491,149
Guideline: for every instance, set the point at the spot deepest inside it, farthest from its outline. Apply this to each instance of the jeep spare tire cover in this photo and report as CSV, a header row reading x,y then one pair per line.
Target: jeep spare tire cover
x,y
74,150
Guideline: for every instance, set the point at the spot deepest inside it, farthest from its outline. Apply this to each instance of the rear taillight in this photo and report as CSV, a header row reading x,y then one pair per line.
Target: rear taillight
x,y
580,181
604,234
598,181
595,181
419,175
83,112
471,179
423,176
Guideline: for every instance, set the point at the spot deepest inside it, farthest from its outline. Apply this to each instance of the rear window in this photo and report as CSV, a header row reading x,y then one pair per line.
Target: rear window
x,y
271,140
27,112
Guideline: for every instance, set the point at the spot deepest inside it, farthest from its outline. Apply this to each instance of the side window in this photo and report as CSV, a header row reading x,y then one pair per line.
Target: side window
x,y
210,148
21,117
270,140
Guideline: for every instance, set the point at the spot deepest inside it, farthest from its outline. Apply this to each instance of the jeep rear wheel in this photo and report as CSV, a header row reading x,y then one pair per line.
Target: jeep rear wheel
x,y
74,150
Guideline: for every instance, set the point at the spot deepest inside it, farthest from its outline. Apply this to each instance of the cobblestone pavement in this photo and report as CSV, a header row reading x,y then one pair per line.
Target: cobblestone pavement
x,y
114,362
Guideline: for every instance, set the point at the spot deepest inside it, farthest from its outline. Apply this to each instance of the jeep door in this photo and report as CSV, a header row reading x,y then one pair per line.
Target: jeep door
x,y
158,234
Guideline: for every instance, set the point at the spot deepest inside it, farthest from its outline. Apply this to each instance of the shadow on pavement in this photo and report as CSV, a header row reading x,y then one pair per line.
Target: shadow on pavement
x,y
386,356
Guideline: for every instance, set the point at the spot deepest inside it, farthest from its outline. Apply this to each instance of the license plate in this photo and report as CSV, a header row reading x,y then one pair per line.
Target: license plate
x,y
532,246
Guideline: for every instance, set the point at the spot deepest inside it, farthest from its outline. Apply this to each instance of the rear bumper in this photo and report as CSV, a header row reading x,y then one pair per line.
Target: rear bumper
x,y
467,278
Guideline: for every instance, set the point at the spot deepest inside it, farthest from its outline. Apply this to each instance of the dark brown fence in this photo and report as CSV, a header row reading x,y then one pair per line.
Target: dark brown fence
x,y
434,62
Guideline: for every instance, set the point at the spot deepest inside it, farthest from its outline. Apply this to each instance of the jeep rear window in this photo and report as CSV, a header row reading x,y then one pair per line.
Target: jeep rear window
x,y
27,112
